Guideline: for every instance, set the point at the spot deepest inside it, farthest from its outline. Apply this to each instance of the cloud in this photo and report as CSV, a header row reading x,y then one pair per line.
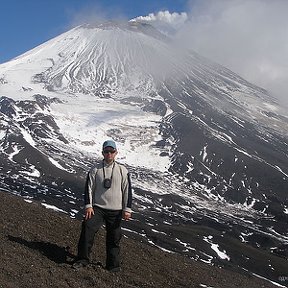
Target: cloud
x,y
248,36
95,13
164,21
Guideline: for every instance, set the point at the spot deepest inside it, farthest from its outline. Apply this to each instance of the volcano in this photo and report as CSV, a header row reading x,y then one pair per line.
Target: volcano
x,y
206,149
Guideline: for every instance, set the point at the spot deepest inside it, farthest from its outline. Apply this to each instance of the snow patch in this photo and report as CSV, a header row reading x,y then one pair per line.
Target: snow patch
x,y
136,132
48,206
215,247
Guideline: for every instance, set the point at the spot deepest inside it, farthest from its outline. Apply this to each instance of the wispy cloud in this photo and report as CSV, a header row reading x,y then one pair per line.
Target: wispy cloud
x,y
94,13
248,36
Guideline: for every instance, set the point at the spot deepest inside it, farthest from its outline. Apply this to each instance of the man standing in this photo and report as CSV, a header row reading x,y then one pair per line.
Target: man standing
x,y
108,199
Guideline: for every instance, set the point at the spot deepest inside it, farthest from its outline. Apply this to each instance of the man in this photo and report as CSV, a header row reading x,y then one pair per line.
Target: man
x,y
108,199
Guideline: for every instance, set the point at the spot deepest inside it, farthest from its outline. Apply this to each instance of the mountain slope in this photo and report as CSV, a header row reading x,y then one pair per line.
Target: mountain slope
x,y
33,243
204,146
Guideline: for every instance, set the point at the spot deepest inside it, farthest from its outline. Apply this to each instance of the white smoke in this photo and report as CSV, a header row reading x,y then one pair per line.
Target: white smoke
x,y
164,21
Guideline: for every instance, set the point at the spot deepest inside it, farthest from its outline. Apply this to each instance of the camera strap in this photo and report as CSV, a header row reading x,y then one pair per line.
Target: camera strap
x,y
104,170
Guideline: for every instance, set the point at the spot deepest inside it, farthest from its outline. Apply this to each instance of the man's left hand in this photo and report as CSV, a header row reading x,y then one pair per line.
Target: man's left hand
x,y
126,215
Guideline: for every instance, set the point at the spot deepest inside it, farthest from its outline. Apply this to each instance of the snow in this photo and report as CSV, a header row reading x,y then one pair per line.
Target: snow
x,y
273,282
28,200
185,245
160,232
87,126
34,172
2,134
279,169
100,72
238,121
56,164
204,153
215,247
270,106
16,150
27,137
205,286
252,202
48,206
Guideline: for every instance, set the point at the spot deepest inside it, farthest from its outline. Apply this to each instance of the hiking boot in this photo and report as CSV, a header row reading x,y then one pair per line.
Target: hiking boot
x,y
80,264
113,269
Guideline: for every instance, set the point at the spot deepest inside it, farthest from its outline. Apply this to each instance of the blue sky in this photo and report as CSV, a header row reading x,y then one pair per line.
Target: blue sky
x,y
24,24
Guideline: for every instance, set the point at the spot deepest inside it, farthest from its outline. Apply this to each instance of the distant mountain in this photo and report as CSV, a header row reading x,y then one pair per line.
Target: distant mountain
x,y
205,147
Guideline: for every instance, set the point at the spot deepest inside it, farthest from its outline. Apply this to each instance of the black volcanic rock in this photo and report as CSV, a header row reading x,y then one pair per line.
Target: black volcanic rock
x,y
7,106
156,106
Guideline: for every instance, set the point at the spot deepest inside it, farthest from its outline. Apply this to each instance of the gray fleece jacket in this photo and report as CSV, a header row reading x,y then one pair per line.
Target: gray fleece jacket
x,y
118,196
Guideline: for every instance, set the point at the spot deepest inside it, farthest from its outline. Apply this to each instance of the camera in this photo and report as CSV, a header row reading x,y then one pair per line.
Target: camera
x,y
107,183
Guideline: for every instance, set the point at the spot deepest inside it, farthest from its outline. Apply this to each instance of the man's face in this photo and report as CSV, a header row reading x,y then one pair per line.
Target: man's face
x,y
109,154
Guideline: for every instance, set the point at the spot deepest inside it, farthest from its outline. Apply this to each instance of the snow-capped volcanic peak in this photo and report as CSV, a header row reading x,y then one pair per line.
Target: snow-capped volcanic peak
x,y
99,60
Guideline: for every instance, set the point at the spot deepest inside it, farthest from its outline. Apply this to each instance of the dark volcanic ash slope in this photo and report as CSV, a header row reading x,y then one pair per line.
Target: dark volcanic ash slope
x,y
33,241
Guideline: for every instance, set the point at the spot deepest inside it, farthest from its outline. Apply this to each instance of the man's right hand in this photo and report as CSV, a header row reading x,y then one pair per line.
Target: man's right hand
x,y
89,212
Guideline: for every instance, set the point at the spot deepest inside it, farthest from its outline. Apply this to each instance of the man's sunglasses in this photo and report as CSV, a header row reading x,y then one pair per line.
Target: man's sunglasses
x,y
109,151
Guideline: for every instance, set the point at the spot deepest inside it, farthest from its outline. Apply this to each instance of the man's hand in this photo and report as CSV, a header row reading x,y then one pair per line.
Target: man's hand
x,y
89,212
126,215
